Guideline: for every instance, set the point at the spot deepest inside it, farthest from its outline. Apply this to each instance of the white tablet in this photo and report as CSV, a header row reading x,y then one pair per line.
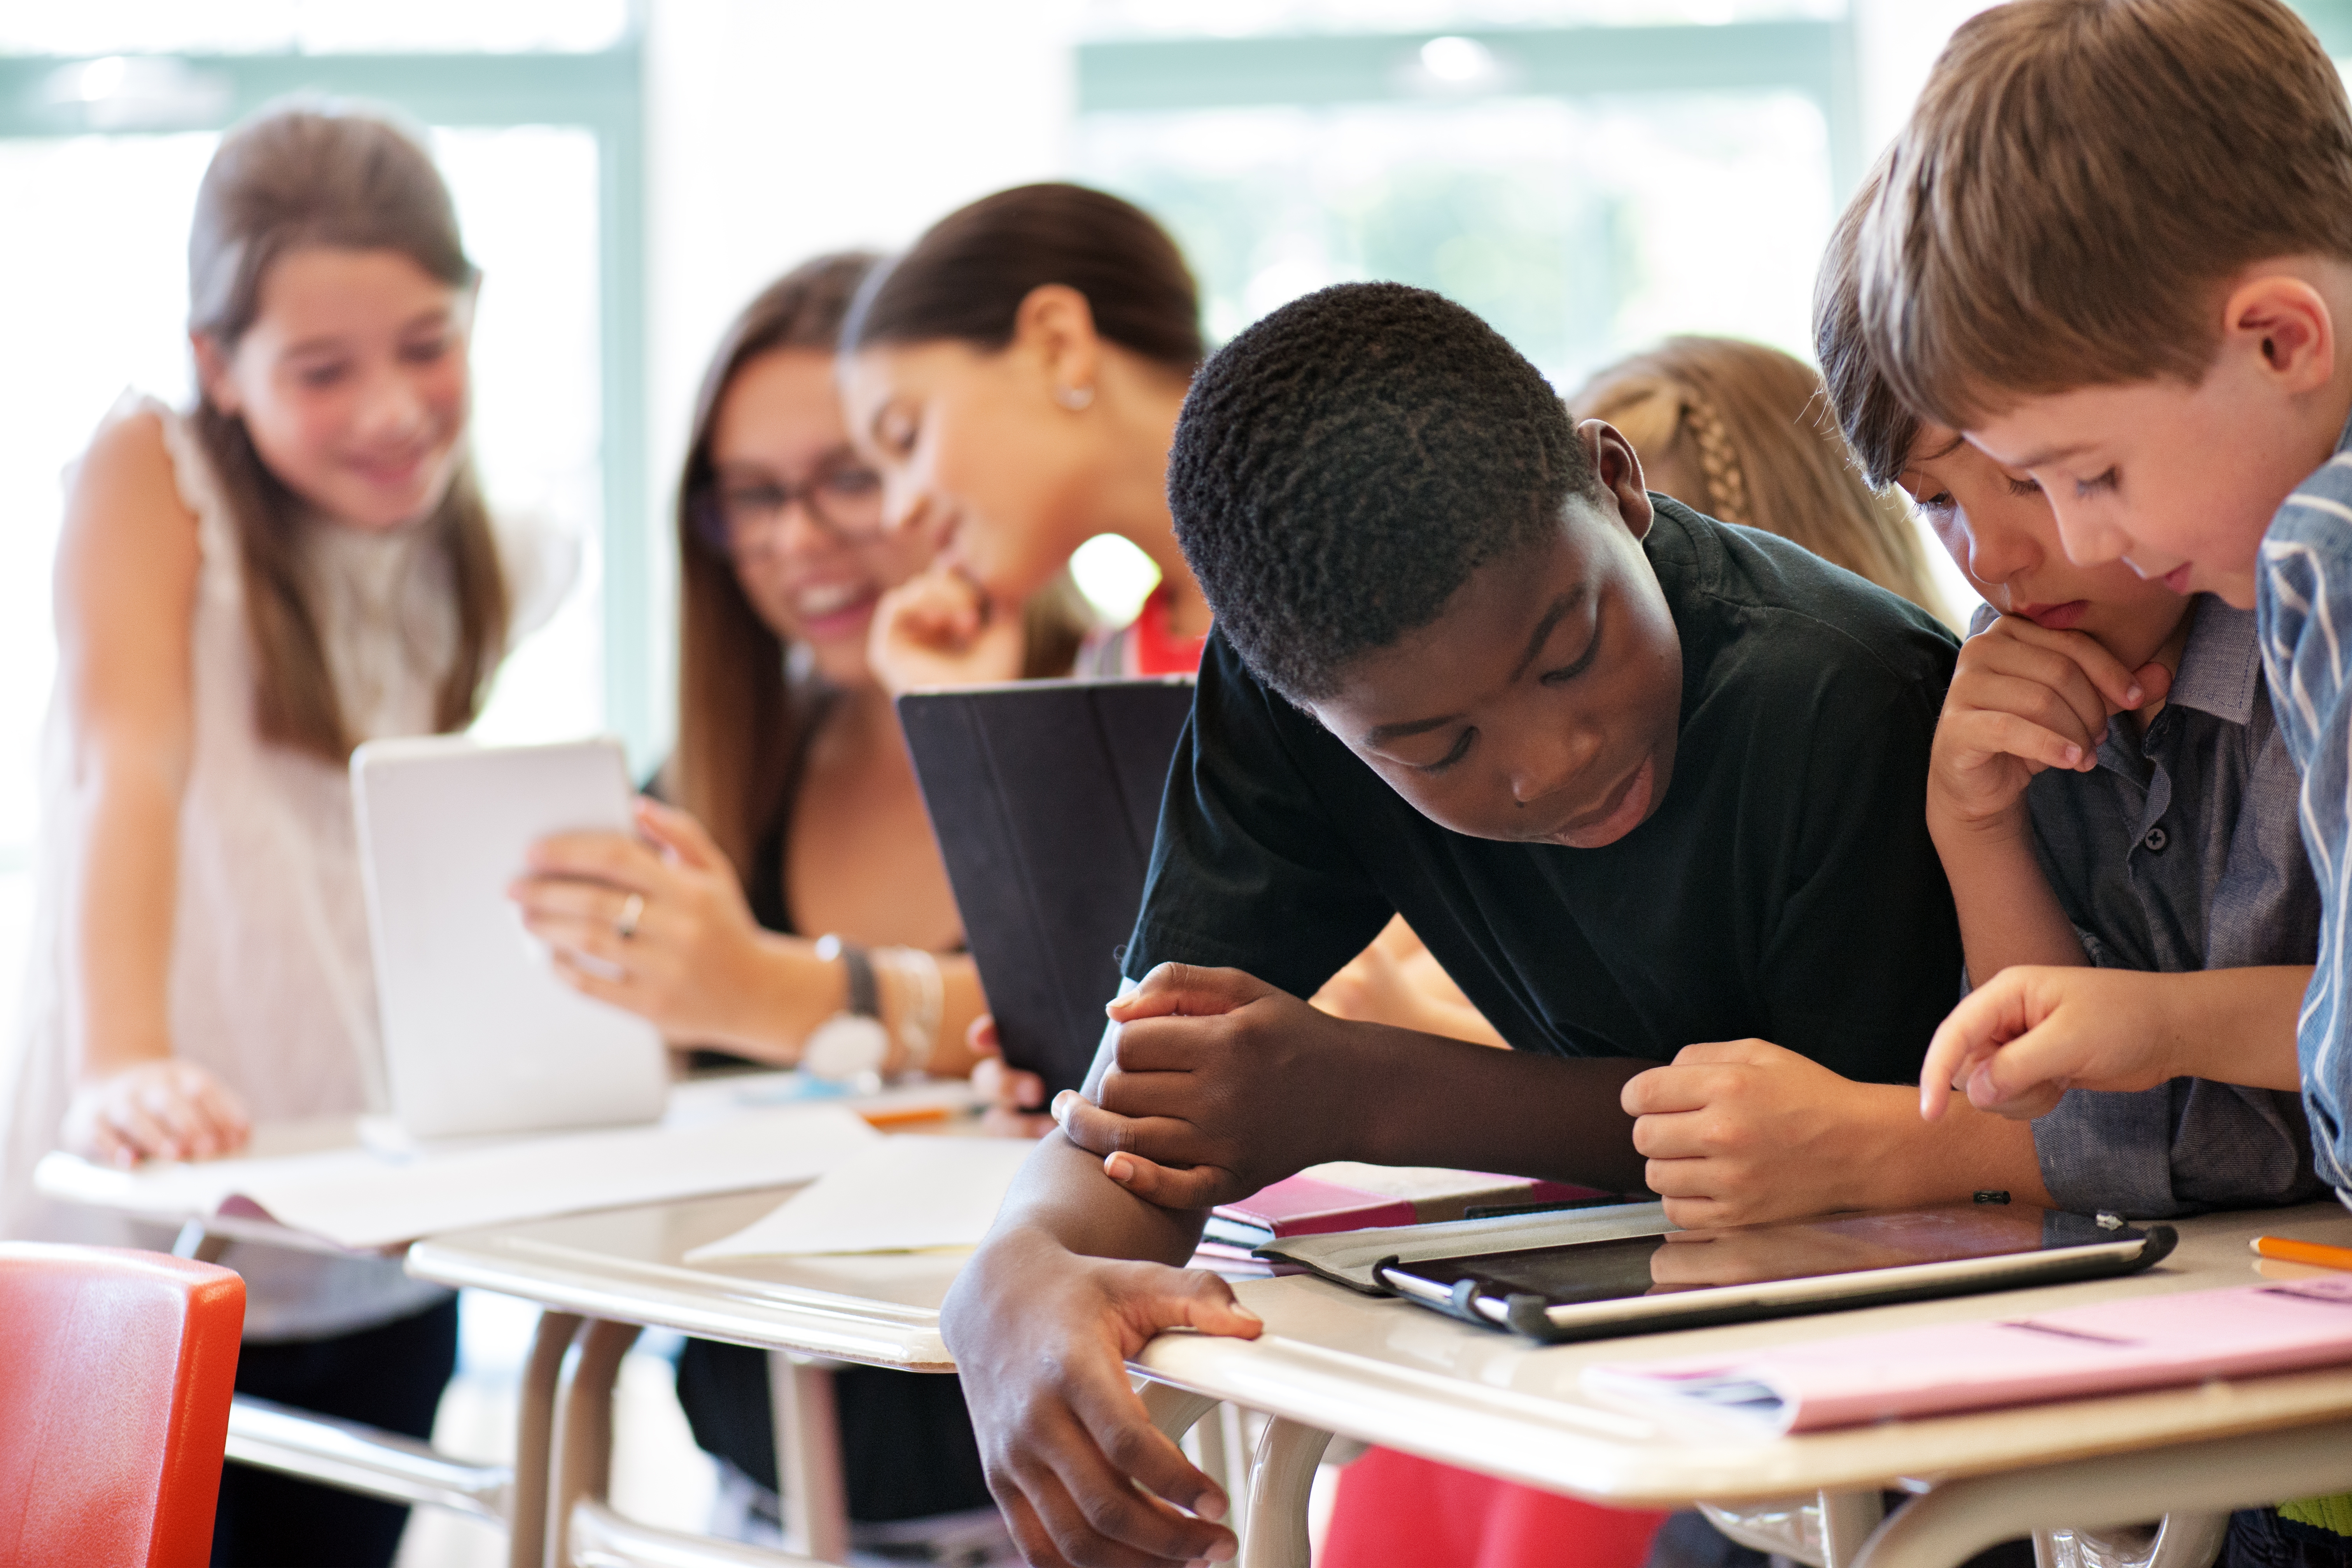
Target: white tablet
x,y
479,1035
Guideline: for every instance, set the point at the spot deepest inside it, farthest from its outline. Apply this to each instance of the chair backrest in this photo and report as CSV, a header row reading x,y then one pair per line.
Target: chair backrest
x,y
116,1371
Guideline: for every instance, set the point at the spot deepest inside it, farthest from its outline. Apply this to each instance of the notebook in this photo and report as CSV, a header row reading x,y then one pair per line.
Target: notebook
x,y
1044,795
1347,1195
479,1035
2109,1347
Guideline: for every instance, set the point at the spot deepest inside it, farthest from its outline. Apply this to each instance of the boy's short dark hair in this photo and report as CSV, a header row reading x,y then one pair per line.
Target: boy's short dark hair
x,y
1342,467
1879,425
2078,178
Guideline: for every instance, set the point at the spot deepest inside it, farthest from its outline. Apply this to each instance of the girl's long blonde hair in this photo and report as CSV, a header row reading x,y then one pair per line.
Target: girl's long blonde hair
x,y
1749,426
287,179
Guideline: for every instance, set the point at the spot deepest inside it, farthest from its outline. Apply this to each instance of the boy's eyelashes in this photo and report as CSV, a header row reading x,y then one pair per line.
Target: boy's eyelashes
x,y
2027,486
1566,672
1460,750
2098,484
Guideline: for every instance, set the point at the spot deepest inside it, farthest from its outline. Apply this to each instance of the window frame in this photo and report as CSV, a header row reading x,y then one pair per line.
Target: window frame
x,y
1814,58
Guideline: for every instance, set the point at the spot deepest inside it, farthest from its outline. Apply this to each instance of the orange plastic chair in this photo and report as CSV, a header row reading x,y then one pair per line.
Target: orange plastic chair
x,y
116,1371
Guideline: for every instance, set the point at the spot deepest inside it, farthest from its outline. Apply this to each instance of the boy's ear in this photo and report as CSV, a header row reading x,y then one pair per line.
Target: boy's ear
x,y
1057,326
211,372
2288,322
1619,469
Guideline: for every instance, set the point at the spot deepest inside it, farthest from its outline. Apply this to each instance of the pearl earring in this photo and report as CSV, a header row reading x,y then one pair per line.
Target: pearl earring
x,y
1074,398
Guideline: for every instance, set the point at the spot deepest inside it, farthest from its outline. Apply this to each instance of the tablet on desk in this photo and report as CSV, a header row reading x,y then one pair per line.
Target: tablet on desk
x,y
479,1035
1044,795
1692,1279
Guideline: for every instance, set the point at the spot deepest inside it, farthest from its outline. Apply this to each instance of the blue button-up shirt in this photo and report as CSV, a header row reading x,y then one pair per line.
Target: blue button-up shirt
x,y
2181,851
2303,603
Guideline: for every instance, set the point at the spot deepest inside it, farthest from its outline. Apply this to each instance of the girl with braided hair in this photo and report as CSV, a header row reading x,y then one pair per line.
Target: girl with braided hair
x,y
1741,432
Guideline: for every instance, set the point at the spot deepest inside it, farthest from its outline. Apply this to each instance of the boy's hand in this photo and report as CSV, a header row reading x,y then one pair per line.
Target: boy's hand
x,y
1741,1131
2019,1042
2024,699
1040,1337
1221,1084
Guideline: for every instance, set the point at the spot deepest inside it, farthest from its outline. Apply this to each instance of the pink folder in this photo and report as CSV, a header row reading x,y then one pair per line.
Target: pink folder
x,y
1311,1205
2145,1341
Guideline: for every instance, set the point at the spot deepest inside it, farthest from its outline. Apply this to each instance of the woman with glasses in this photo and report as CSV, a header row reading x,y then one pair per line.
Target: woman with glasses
x,y
785,901
784,897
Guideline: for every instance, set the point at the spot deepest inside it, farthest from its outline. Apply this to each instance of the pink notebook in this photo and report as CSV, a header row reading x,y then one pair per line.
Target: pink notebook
x,y
2147,1342
1347,1197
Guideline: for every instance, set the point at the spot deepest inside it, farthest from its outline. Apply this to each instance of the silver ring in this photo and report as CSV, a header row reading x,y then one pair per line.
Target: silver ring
x,y
632,911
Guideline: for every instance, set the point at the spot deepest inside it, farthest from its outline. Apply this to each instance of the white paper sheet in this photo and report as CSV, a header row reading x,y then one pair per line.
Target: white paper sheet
x,y
900,1195
358,1198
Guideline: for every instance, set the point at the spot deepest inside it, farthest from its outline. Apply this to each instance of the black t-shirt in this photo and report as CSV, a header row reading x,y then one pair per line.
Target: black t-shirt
x,y
1785,889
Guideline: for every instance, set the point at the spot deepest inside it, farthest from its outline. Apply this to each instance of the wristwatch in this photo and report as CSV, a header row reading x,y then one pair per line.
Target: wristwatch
x,y
852,1045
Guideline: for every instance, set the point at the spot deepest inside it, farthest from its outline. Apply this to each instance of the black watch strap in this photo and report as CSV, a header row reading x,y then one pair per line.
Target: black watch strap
x,y
858,971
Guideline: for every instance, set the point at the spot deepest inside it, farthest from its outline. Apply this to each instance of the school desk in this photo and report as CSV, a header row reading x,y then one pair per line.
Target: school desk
x,y
380,1464
1383,1371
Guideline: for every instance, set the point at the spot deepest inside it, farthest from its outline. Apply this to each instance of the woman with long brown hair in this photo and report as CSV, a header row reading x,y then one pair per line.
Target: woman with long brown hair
x,y
792,815
245,591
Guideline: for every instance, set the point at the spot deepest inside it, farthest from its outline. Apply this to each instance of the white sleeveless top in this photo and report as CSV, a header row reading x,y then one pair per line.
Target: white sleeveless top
x,y
271,986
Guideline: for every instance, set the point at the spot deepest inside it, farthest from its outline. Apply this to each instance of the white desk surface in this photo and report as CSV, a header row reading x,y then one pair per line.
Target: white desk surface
x,y
1397,1374
628,1265
1389,1373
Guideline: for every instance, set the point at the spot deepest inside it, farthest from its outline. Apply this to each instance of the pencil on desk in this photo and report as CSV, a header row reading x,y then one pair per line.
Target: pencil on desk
x,y
2312,1252
902,1116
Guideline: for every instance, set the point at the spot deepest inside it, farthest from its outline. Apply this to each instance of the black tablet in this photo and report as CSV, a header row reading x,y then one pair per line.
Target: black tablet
x,y
1691,1278
1044,795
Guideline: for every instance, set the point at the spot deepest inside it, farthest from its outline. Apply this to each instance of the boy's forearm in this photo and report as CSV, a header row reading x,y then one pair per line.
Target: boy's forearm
x,y
2008,913
1061,1194
2235,1026
1450,1103
1963,1152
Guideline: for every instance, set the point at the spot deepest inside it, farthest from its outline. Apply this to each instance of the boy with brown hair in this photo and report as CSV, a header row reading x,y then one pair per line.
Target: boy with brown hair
x,y
2114,248
2148,327
2159,839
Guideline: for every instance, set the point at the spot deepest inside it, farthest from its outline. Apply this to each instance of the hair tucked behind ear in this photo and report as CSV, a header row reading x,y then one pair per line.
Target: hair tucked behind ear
x,y
1749,425
966,277
287,179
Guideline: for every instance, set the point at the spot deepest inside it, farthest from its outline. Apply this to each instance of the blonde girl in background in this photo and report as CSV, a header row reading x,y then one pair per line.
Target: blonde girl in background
x,y
245,591
1742,432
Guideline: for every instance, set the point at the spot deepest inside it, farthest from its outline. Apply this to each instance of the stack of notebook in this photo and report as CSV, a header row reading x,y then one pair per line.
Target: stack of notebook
x,y
1345,1195
2107,1347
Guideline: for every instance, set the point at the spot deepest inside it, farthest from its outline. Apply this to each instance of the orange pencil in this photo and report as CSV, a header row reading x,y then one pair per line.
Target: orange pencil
x,y
2311,1252
907,1116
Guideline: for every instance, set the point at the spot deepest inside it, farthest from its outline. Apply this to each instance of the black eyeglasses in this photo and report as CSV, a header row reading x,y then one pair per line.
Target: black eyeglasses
x,y
742,519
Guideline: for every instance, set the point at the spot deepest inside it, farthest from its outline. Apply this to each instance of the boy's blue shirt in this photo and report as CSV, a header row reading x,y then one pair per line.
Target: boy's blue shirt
x,y
2304,608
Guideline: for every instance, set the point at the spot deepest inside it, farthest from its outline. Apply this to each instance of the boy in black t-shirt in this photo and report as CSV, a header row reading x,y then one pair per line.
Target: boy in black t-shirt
x,y
1649,786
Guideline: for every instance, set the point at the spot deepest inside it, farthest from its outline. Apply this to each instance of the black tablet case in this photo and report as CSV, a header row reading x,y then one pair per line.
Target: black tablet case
x,y
1044,796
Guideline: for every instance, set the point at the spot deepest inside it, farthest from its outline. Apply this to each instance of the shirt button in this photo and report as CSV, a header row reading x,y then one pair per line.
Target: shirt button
x,y
2155,840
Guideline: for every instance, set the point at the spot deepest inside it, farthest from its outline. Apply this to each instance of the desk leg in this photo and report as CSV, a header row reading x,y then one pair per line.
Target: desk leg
x,y
534,1436
1847,1519
808,1457
581,1459
1959,1518
1280,1480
